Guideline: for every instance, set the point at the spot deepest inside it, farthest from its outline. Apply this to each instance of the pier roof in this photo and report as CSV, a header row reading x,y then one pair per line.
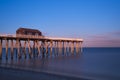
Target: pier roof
x,y
27,31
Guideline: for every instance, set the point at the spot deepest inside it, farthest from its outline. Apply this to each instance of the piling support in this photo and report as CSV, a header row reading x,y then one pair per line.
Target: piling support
x,y
29,49
43,48
12,49
77,48
33,48
72,47
6,49
24,49
18,47
80,47
38,48
64,48
46,48
57,48
51,46
1,49
54,48
67,47
60,47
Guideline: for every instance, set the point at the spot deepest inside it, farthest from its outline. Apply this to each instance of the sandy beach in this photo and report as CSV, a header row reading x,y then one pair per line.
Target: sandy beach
x,y
7,73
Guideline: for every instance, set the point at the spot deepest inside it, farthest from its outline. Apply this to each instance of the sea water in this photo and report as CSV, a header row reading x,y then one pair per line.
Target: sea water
x,y
92,63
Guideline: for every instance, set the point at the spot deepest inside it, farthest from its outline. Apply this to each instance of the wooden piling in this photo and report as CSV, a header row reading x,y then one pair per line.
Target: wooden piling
x,y
72,47
64,46
43,48
77,47
60,47
46,48
6,49
67,47
1,49
51,47
38,48
12,49
81,47
33,49
18,48
57,50
29,49
24,49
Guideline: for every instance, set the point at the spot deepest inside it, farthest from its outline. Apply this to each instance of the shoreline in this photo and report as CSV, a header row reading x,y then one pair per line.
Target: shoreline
x,y
8,73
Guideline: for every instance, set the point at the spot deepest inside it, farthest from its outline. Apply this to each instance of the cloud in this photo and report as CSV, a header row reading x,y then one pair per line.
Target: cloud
x,y
110,39
116,33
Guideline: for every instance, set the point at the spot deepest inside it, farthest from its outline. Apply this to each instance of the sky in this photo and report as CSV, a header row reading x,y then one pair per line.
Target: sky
x,y
95,21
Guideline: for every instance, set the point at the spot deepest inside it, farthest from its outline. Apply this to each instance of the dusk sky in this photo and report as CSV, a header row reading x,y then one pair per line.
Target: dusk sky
x,y
96,21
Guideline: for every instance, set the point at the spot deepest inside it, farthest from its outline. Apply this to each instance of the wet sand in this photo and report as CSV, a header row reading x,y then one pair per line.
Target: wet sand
x,y
7,73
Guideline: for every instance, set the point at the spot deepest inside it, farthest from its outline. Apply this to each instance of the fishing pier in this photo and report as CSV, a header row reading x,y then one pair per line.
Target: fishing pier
x,y
38,44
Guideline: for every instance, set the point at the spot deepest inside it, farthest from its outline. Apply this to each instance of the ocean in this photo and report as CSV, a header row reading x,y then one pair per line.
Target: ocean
x,y
93,63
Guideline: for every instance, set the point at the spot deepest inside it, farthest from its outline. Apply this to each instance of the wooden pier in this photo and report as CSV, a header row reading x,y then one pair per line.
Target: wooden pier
x,y
41,43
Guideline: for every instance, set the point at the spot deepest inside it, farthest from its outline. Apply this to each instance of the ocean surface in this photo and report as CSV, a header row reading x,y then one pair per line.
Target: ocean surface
x,y
92,63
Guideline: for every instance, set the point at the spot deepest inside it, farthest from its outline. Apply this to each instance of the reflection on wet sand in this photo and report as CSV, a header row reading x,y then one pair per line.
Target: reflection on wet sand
x,y
37,61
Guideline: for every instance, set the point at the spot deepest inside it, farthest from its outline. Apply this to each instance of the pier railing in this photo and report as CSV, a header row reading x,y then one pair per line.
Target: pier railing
x,y
39,37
